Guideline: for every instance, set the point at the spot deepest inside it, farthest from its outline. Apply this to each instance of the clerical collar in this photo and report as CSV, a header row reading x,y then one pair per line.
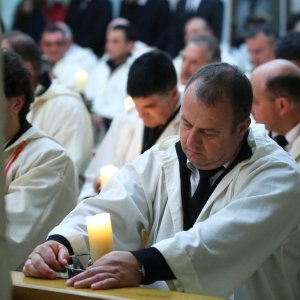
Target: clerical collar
x,y
113,66
25,125
141,2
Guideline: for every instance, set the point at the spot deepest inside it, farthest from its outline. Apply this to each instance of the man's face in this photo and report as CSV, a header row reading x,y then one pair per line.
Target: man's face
x,y
193,58
195,28
260,49
116,45
156,109
206,132
54,45
263,109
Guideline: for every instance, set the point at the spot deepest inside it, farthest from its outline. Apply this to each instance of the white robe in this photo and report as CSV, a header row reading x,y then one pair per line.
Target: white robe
x,y
295,150
121,144
40,190
75,59
61,114
245,241
107,90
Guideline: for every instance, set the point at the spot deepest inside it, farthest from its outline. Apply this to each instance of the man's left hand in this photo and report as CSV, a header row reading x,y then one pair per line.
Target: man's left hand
x,y
114,270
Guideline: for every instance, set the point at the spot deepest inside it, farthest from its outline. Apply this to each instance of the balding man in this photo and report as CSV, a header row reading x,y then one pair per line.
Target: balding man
x,y
276,88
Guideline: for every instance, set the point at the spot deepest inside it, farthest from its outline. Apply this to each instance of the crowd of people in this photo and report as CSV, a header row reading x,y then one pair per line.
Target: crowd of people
x,y
206,140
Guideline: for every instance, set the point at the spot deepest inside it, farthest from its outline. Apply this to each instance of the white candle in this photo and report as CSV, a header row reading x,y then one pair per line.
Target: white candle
x,y
100,235
105,173
81,76
129,104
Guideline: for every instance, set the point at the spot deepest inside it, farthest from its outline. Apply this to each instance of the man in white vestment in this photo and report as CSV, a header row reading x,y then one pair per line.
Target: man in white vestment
x,y
276,89
56,110
41,181
219,206
152,84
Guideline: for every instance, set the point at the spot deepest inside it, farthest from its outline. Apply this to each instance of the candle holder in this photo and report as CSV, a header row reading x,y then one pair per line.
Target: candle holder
x,y
80,263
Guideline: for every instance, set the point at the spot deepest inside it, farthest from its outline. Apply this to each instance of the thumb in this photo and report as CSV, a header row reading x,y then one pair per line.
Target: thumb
x,y
63,255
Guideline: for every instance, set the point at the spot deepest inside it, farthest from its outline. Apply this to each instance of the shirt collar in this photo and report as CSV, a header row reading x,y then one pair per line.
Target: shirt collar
x,y
142,2
292,135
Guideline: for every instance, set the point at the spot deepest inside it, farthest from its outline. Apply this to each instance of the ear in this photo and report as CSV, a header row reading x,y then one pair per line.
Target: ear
x,y
174,92
17,104
243,127
283,105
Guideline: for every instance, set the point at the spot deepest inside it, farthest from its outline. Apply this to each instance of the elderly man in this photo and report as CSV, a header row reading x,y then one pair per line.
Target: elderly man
x,y
65,57
152,85
56,110
199,235
41,181
197,53
260,41
276,88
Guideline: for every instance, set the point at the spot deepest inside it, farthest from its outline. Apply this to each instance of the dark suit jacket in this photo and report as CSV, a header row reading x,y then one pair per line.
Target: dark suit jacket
x,y
210,10
88,20
151,21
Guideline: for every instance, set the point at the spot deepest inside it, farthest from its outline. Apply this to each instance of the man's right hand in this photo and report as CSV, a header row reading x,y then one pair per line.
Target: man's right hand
x,y
46,259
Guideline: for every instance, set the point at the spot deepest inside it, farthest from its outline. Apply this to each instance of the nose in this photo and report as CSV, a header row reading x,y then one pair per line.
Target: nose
x,y
194,139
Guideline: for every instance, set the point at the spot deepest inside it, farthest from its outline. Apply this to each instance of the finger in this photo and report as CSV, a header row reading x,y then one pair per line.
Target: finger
x,y
108,283
48,255
35,267
88,282
63,256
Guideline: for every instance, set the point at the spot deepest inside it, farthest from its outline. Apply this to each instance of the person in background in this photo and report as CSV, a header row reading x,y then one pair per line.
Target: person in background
x,y
66,57
106,86
203,199
210,10
152,84
197,53
260,41
288,47
88,20
56,110
41,185
151,18
276,88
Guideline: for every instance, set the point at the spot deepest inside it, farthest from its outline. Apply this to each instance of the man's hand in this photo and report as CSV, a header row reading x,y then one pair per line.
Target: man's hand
x,y
114,270
46,259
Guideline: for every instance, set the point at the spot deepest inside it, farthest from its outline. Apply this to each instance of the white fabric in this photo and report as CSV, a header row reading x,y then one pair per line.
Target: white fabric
x,y
75,59
121,144
245,241
40,190
61,114
295,149
108,90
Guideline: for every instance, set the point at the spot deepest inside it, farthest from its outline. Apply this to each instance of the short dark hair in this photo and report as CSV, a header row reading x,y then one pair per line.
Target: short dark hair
x,y
129,31
152,73
285,85
51,28
266,29
17,81
223,82
288,46
26,47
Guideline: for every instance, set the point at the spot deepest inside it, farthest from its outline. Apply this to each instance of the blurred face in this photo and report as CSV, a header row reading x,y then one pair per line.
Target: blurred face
x,y
263,109
206,132
117,47
54,45
155,110
260,49
193,58
195,28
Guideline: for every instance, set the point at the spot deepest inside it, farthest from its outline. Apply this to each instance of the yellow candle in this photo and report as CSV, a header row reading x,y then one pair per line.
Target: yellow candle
x,y
129,104
81,76
105,173
100,235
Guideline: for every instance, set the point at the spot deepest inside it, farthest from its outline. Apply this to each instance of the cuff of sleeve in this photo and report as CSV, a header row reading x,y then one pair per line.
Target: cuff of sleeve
x,y
62,240
154,264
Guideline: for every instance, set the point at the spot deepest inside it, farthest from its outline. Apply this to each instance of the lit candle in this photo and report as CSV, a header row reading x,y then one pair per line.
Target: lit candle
x,y
129,104
100,235
81,76
105,173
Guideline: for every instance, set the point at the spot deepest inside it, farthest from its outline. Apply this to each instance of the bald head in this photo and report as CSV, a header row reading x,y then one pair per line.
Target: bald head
x,y
196,27
276,89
